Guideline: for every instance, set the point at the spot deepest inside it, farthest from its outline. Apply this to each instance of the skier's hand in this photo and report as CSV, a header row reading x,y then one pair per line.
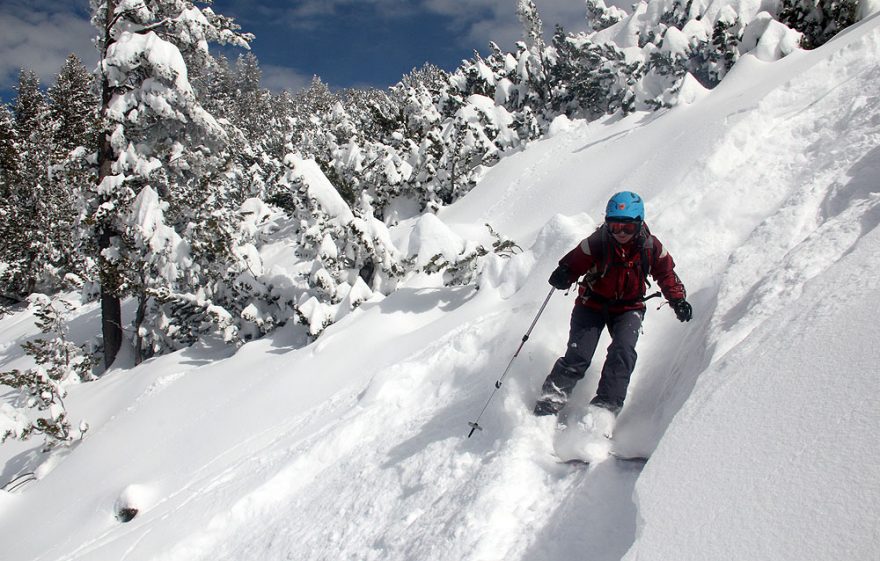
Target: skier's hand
x,y
561,277
683,310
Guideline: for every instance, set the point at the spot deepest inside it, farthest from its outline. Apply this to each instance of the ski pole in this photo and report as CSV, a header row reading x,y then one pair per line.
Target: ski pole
x,y
475,425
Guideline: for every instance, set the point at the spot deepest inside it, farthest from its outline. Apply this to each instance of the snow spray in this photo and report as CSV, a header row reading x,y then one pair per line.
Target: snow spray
x,y
475,425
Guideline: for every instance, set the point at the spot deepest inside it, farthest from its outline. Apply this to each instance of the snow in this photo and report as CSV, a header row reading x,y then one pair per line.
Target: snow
x,y
319,187
759,416
131,50
691,90
584,434
560,124
431,237
775,39
674,42
810,411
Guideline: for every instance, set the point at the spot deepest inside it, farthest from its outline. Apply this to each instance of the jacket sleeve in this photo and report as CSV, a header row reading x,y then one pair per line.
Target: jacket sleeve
x,y
663,273
579,260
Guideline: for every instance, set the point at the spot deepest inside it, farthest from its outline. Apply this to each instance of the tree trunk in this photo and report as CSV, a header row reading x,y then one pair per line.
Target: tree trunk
x,y
111,306
139,318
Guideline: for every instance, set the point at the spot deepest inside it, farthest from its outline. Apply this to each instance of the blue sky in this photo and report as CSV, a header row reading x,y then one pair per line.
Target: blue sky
x,y
348,43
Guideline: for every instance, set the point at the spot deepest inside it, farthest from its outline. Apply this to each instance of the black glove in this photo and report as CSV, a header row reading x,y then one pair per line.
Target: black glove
x,y
683,310
561,277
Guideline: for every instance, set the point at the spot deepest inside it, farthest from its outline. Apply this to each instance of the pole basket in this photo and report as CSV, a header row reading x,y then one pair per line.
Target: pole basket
x,y
474,427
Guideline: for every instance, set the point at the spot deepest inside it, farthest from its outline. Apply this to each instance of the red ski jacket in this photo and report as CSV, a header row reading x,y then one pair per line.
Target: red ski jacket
x,y
615,276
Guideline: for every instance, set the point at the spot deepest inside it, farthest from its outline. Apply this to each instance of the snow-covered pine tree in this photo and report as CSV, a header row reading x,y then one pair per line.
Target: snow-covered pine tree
x,y
9,153
600,16
502,66
320,124
513,92
63,360
186,295
343,255
479,78
155,272
473,139
726,37
248,303
74,123
73,109
355,142
218,89
152,122
666,68
684,41
309,104
565,100
473,134
338,134
250,103
29,105
595,79
676,15
411,123
533,27
818,20
41,214
467,267
264,118
368,108
373,154
248,115
59,363
28,254
533,65
10,180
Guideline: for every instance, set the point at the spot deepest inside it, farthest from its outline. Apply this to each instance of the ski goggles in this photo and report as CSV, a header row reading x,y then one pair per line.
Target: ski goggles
x,y
628,228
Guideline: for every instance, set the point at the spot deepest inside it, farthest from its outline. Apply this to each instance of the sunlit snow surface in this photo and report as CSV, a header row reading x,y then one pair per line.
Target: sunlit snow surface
x,y
760,416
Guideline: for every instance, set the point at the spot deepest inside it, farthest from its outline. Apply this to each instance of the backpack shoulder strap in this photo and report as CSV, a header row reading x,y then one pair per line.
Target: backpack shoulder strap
x,y
600,245
596,245
647,254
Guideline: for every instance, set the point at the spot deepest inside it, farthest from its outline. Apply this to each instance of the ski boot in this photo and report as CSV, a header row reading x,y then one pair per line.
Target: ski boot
x,y
552,400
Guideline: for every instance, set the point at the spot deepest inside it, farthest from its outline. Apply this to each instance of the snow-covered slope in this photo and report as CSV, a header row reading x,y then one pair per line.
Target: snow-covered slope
x,y
760,414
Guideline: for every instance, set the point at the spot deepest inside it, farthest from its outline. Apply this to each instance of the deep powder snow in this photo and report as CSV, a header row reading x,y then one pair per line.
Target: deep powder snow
x,y
760,415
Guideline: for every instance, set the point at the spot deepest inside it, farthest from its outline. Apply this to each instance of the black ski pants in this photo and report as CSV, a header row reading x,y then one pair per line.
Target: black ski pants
x,y
583,338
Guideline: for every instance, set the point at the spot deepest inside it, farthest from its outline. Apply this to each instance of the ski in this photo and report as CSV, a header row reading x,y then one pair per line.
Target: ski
x,y
631,459
577,462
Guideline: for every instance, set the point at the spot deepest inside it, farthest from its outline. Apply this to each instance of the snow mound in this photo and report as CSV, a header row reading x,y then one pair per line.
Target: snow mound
x,y
430,238
773,443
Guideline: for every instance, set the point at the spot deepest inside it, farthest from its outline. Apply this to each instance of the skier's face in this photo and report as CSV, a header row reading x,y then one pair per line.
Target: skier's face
x,y
623,232
623,238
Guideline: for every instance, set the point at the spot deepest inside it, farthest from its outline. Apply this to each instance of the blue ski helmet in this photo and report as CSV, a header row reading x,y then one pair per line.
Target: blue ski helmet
x,y
625,206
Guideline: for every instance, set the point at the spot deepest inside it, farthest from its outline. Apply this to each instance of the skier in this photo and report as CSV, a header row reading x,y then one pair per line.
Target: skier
x,y
615,261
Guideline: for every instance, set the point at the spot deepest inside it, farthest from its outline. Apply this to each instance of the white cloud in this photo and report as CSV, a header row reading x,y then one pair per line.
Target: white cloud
x,y
481,21
473,22
40,39
313,14
279,78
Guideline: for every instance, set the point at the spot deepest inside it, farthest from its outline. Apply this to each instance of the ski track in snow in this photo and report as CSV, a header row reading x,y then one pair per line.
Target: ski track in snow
x,y
823,198
826,207
449,498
